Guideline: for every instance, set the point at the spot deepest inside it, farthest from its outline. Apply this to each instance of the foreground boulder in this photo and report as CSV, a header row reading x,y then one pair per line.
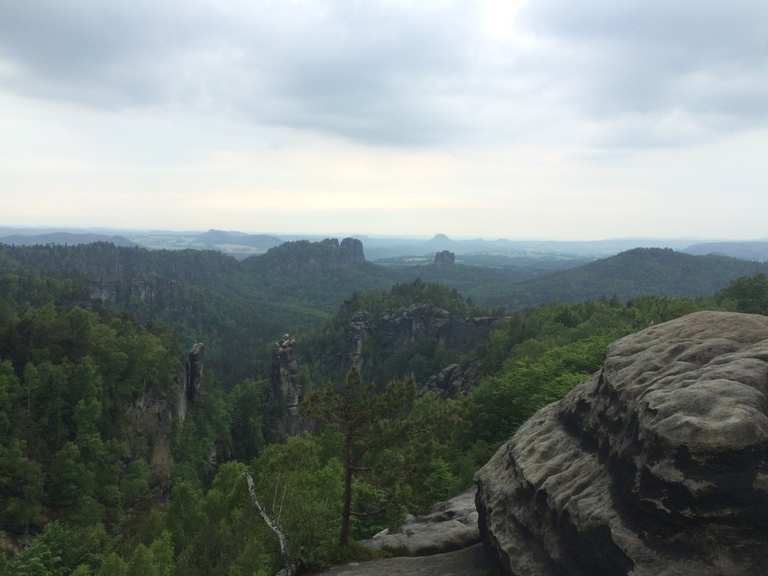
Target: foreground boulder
x,y
450,525
656,466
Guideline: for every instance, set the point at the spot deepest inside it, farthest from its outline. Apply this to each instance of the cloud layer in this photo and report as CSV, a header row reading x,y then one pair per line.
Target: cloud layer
x,y
598,72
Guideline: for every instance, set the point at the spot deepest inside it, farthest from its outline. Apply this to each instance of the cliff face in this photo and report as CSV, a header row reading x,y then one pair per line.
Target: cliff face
x,y
286,391
657,466
445,258
303,256
372,341
155,413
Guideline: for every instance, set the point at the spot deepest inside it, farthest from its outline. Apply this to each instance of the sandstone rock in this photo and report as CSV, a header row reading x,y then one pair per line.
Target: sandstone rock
x,y
657,466
472,561
445,258
454,380
451,525
351,252
287,393
153,415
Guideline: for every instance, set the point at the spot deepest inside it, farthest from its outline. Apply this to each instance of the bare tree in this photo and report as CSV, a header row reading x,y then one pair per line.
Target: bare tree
x,y
272,520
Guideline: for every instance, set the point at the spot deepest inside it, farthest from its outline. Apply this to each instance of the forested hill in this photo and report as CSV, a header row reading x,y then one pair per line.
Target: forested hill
x,y
238,308
638,272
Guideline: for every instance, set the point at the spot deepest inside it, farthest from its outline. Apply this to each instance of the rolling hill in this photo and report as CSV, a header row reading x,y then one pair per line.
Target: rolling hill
x,y
641,271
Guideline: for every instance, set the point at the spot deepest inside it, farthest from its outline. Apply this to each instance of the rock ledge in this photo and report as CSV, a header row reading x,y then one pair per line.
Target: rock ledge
x,y
656,466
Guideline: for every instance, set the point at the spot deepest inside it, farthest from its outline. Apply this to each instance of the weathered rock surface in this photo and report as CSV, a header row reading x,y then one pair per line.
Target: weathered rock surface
x,y
287,392
451,525
419,321
153,415
472,561
371,339
454,380
657,466
304,256
351,252
445,258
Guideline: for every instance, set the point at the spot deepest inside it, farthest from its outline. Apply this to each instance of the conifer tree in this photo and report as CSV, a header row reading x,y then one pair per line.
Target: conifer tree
x,y
367,420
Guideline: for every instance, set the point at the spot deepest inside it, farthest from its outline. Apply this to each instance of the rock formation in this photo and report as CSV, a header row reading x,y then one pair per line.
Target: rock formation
x,y
451,525
401,329
454,380
656,466
351,252
287,393
445,258
303,256
427,321
191,381
155,413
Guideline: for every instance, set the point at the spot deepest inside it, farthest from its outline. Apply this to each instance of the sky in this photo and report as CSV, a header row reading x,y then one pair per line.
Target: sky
x,y
495,118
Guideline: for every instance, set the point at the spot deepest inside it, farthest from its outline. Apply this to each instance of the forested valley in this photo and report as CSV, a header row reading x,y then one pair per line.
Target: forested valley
x,y
182,413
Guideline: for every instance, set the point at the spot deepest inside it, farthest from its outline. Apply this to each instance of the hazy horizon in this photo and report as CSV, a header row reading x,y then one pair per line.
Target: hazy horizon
x,y
5,229
497,119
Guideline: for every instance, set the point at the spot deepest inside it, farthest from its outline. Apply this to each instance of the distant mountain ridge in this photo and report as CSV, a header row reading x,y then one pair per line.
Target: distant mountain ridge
x,y
217,237
64,238
756,250
637,272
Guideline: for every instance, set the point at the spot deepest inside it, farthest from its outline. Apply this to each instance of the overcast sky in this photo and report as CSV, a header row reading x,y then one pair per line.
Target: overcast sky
x,y
497,118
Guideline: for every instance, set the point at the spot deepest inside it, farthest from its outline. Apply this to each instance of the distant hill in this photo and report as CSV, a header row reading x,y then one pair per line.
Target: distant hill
x,y
642,271
225,237
238,307
63,238
754,250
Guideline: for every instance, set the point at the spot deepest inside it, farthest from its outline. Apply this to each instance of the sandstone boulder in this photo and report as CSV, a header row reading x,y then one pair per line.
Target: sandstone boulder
x,y
451,525
656,466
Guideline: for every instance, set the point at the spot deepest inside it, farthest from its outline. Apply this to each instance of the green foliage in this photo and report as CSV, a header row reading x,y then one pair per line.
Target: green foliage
x,y
631,274
76,485
749,294
68,378
389,353
247,426
366,420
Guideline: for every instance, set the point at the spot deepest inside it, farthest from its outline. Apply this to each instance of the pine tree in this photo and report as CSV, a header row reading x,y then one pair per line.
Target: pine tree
x,y
367,420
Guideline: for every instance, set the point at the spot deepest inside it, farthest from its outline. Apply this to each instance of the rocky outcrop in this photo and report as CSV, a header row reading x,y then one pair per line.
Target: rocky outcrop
x,y
287,393
451,525
427,321
305,256
656,466
155,413
454,380
351,252
194,371
190,381
445,258
357,334
371,339
472,561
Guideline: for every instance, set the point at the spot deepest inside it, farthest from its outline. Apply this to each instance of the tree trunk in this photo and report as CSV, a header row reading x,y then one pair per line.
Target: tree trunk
x,y
290,567
347,513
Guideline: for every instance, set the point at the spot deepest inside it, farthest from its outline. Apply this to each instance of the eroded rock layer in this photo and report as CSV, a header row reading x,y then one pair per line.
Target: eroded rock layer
x,y
656,466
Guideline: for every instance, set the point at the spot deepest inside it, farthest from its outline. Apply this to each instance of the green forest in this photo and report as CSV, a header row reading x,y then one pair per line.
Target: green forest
x,y
102,472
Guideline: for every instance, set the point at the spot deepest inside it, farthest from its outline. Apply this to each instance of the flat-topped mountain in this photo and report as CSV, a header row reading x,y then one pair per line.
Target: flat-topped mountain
x,y
303,254
656,466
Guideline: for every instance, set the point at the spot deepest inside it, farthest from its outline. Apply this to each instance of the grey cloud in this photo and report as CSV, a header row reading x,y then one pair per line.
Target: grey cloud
x,y
646,73
642,61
